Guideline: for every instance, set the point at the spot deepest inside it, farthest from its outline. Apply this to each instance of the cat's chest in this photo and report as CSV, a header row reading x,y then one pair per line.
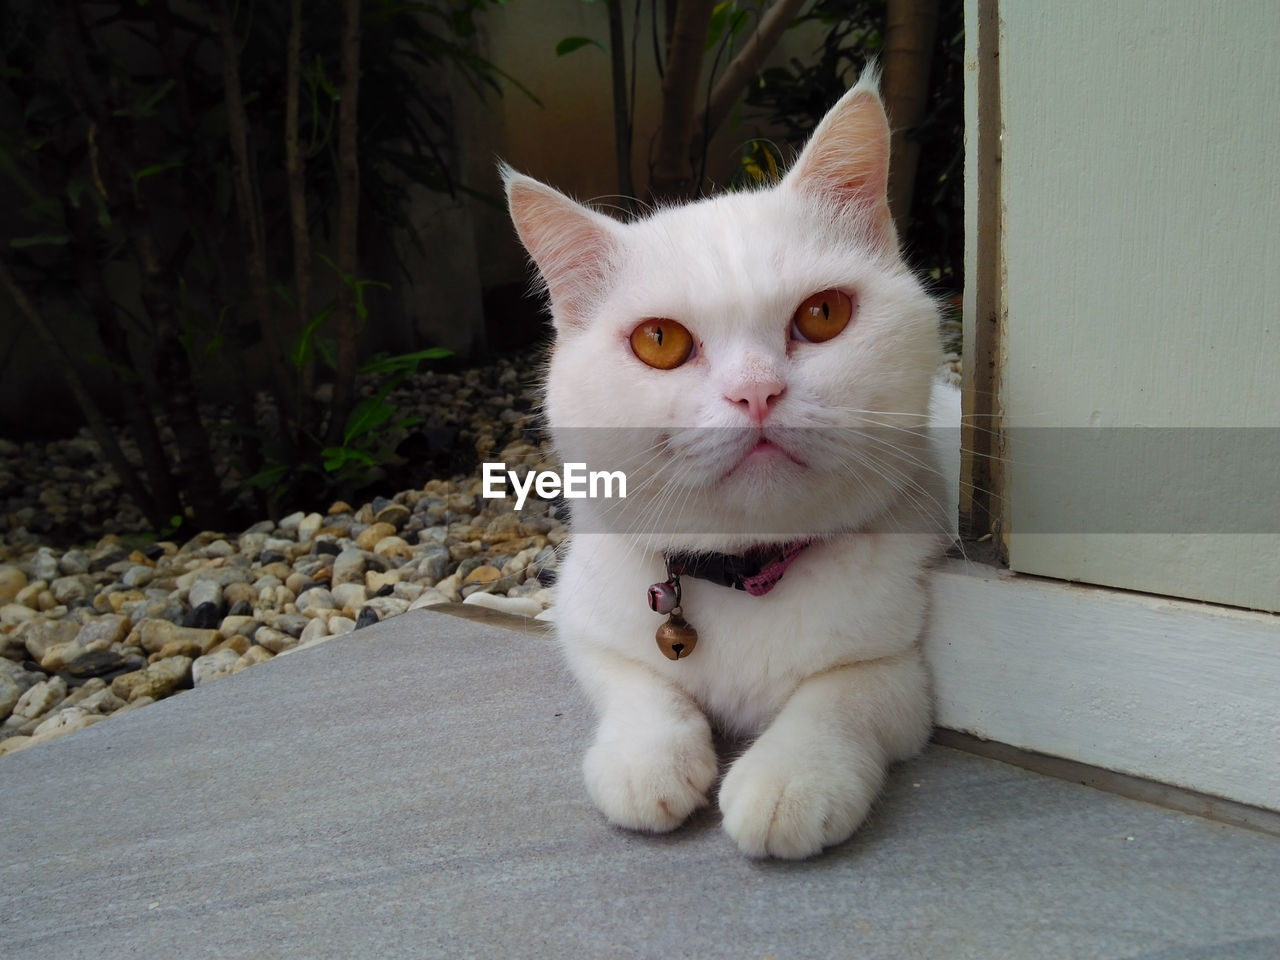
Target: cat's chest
x,y
836,604
753,651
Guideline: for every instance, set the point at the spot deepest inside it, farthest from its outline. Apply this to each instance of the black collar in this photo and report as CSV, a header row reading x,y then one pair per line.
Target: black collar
x,y
757,571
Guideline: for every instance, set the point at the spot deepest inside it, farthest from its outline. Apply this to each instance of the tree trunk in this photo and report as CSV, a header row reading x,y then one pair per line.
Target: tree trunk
x,y
910,26
295,167
621,103
348,220
162,503
177,383
672,176
669,9
157,289
745,65
97,423
251,221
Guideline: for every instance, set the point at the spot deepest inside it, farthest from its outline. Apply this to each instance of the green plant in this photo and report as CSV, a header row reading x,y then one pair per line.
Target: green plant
x,y
737,34
367,436
160,200
758,165
793,98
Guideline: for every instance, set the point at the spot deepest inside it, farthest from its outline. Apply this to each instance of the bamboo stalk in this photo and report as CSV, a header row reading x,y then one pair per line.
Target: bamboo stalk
x,y
112,180
163,502
251,218
93,416
295,167
348,219
672,175
621,105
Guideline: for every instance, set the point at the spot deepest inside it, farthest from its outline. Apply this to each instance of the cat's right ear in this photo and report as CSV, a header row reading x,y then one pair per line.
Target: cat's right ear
x,y
846,161
571,245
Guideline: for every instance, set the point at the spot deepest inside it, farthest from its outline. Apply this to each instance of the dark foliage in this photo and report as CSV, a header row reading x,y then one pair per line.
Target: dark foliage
x,y
115,128
795,97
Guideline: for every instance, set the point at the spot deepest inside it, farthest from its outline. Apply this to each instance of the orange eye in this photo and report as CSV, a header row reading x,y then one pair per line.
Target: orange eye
x,y
823,315
662,343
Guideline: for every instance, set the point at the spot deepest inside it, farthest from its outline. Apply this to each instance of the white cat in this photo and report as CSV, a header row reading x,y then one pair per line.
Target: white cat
x,y
760,366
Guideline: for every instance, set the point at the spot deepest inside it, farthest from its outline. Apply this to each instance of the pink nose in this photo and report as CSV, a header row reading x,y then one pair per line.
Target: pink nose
x,y
756,397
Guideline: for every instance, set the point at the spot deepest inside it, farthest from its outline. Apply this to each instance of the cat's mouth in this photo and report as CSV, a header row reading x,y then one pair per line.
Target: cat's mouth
x,y
764,447
765,454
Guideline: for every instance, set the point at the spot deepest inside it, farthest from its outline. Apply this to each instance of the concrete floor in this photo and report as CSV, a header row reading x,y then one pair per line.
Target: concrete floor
x,y
413,791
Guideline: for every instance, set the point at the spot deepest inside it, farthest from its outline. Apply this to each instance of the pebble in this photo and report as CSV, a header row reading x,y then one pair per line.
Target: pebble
x,y
10,691
12,579
523,606
350,596
205,591
348,566
64,721
156,681
12,614
317,629
156,636
113,621
213,666
40,699
430,597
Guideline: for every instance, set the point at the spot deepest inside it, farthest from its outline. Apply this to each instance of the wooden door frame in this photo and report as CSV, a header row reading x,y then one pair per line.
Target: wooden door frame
x,y
1173,691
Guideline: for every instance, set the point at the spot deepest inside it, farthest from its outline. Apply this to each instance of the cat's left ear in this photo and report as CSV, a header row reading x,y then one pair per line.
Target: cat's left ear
x,y
846,162
572,245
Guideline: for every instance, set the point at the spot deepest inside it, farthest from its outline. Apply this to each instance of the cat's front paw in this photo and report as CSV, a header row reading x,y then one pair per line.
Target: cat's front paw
x,y
793,804
652,782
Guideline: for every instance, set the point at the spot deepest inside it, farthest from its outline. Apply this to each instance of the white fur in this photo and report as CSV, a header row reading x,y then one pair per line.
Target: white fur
x,y
825,670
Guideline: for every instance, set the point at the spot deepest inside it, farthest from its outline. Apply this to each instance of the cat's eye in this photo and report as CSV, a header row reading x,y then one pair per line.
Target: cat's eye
x,y
662,343
823,315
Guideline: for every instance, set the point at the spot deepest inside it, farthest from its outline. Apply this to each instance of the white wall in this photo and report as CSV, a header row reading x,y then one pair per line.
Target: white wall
x,y
1141,240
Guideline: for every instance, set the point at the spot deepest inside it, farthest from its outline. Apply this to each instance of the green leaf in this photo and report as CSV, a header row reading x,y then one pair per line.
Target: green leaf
x,y
267,477
305,347
41,240
46,207
122,373
327,350
335,458
319,78
328,261
570,44
155,168
145,106
715,26
77,187
367,416
382,363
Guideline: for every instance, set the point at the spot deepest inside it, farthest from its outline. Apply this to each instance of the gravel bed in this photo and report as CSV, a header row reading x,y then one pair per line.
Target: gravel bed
x,y
108,620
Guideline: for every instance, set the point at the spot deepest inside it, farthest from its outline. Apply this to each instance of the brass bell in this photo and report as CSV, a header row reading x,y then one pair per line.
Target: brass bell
x,y
676,638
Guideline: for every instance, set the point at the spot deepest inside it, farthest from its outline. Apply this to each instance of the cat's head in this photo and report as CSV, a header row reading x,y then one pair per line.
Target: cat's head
x,y
750,357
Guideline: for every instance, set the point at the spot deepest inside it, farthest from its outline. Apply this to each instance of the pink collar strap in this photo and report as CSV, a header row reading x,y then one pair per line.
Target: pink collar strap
x,y
757,571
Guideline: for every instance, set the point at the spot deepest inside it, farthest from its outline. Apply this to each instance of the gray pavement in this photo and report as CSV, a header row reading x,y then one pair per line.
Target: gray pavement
x,y
413,791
